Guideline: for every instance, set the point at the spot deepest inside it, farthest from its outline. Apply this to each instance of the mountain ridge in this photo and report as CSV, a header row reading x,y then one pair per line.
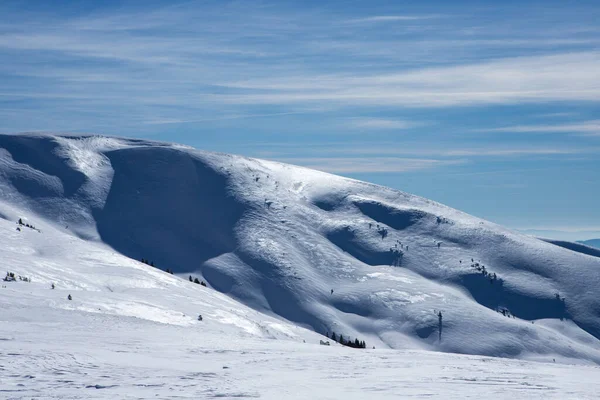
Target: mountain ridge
x,y
325,252
578,247
591,242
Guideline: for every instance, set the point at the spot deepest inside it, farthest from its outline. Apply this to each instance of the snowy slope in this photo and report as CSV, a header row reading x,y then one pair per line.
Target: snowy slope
x,y
280,238
130,331
107,284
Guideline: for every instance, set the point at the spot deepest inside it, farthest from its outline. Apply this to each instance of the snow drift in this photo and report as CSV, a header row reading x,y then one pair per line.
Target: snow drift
x,y
322,251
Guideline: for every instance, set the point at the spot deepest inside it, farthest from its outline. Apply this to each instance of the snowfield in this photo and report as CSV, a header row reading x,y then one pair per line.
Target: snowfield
x,y
289,254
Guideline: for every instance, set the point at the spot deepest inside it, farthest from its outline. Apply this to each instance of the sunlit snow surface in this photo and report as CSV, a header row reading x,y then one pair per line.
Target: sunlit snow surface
x,y
272,241
67,355
132,332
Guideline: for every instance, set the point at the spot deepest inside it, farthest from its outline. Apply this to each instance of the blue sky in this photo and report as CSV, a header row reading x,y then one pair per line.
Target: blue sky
x,y
489,107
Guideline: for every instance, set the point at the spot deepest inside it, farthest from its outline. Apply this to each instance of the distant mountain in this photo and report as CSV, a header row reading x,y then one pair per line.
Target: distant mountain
x,y
324,252
568,235
592,242
575,246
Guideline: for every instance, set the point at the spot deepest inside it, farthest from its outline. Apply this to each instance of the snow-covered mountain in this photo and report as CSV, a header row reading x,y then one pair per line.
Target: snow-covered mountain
x,y
591,242
579,247
323,252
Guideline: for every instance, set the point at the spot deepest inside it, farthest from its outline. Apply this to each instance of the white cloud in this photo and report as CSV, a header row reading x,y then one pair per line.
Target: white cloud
x,y
586,128
417,150
526,79
343,165
192,62
379,123
513,152
390,18
167,121
557,114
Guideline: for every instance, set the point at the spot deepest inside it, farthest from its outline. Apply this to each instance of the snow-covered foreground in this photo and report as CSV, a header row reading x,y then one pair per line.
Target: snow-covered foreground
x,y
67,355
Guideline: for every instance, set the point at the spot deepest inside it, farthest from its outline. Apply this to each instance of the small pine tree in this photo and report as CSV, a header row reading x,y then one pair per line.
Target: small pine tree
x,y
196,281
203,284
191,280
342,339
333,337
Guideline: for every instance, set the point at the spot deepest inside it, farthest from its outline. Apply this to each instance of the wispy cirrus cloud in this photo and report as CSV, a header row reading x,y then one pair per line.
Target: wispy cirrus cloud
x,y
498,151
380,123
159,121
191,61
416,150
350,165
518,80
561,114
584,128
389,18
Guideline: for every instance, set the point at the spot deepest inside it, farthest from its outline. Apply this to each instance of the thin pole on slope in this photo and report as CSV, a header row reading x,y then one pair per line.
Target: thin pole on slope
x,y
440,325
